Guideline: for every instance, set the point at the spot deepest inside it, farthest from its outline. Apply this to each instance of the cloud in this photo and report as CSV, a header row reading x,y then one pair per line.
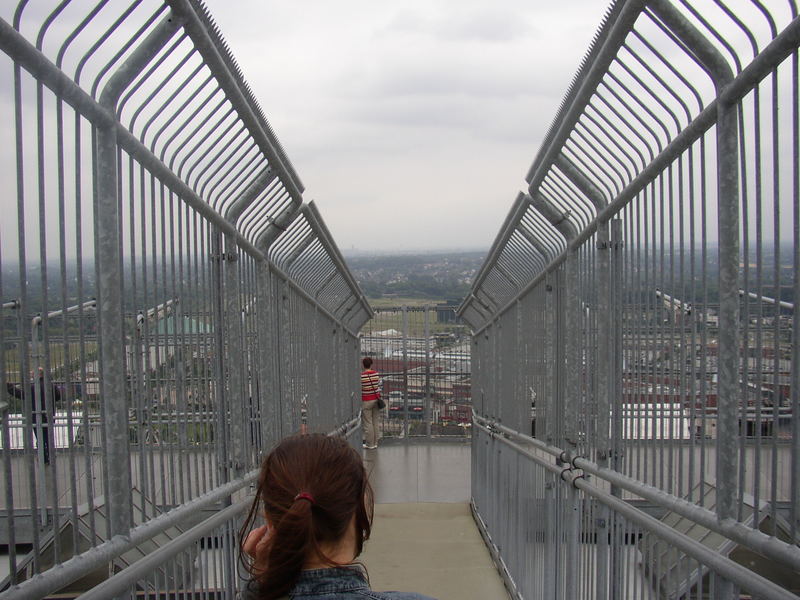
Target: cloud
x,y
422,118
481,25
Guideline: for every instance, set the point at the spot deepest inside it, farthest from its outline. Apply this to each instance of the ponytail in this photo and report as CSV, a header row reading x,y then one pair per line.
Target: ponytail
x,y
310,489
291,541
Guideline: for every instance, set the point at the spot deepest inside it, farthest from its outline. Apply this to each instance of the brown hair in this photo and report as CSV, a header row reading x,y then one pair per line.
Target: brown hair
x,y
367,362
310,487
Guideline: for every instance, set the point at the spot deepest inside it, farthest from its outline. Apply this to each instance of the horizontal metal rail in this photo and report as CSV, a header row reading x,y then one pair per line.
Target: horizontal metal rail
x,y
76,567
766,545
751,582
73,569
121,582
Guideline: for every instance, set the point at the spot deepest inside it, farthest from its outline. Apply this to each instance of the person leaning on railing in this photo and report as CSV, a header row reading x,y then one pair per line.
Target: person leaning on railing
x,y
317,502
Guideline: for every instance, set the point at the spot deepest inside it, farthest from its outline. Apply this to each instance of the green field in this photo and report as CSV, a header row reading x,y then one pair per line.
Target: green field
x,y
387,318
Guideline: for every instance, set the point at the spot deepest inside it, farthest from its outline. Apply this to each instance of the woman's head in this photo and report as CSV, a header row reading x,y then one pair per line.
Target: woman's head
x,y
367,362
313,492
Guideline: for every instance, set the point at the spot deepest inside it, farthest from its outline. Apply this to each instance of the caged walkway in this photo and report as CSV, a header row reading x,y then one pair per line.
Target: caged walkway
x,y
623,376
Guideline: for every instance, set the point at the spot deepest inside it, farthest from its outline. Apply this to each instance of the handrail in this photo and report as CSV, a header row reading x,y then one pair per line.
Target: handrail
x,y
766,545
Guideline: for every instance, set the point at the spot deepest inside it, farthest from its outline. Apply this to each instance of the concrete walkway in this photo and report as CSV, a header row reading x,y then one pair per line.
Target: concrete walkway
x,y
424,538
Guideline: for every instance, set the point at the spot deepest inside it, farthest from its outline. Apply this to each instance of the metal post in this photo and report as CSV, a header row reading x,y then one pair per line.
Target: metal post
x,y
551,364
221,425
405,431
521,400
288,412
277,348
234,360
614,384
572,524
38,414
569,386
552,547
109,286
572,363
728,391
728,396
428,408
268,390
605,373
794,400
110,336
604,376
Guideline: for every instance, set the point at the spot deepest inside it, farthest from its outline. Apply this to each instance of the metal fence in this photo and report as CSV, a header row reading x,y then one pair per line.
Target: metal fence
x,y
423,356
635,350
170,305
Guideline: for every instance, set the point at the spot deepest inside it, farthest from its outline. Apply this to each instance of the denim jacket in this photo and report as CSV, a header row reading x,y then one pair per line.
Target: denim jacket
x,y
342,583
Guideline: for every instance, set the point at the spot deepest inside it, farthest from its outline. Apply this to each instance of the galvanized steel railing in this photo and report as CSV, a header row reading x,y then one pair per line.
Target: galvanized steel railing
x,y
635,353
159,266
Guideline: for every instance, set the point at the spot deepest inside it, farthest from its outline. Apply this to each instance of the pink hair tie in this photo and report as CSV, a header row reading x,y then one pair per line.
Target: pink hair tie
x,y
305,496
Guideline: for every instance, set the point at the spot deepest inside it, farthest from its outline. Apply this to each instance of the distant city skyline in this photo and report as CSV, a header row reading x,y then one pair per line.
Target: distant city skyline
x,y
355,251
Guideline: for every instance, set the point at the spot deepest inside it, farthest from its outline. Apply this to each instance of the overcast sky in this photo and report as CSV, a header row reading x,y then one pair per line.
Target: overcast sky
x,y
411,124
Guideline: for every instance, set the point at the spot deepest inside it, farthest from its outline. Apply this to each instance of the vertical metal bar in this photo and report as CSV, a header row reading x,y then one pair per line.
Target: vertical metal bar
x,y
615,364
605,376
286,348
38,415
109,285
268,391
728,397
6,456
795,368
427,408
221,405
182,353
572,524
550,359
277,344
521,399
40,348
404,433
234,359
552,545
570,381
110,336
23,348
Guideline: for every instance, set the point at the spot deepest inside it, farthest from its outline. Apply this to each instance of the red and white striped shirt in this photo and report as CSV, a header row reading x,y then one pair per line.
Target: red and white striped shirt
x,y
370,380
